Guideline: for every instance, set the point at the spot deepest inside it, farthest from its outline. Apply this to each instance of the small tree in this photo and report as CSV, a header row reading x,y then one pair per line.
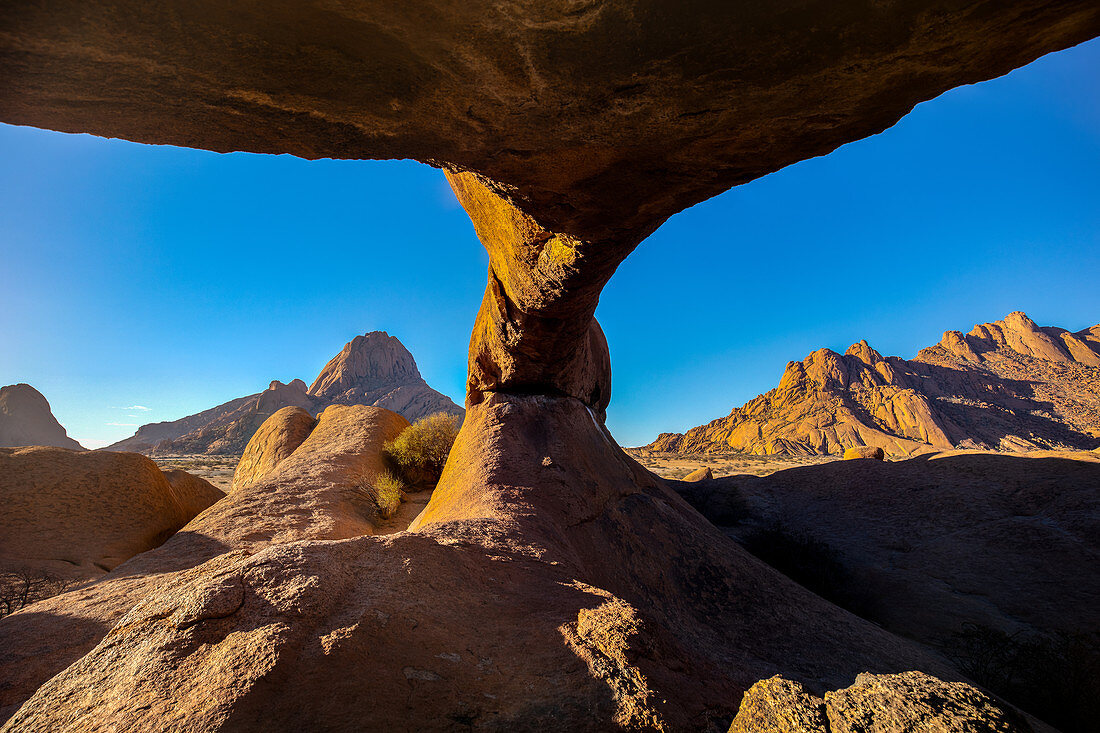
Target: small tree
x,y
420,451
22,587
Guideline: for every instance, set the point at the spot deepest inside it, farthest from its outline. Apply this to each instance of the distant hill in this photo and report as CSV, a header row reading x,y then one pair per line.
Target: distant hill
x,y
26,419
373,369
1008,385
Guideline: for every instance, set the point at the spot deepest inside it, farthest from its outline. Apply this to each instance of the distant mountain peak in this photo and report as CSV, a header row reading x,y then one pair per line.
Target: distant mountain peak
x,y
26,419
372,369
366,363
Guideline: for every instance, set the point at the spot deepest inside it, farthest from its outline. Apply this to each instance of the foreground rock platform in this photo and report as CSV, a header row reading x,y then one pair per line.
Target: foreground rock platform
x,y
519,598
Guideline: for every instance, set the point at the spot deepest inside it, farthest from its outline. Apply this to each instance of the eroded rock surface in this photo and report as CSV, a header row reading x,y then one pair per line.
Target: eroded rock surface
x,y
893,703
78,515
277,438
1008,385
26,419
315,493
520,597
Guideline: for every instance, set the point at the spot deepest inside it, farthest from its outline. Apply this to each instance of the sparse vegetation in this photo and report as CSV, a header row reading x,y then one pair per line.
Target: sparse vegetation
x,y
385,490
1055,677
389,491
22,587
421,451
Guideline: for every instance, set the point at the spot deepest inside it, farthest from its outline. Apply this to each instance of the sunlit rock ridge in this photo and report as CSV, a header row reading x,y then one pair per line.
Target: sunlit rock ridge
x,y
1008,385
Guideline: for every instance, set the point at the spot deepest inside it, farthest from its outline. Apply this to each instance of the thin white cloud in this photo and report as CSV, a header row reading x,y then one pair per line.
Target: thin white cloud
x,y
140,408
122,424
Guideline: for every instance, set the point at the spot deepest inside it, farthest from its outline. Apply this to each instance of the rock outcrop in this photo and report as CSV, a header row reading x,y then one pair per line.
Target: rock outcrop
x,y
926,545
551,582
26,419
1008,385
277,438
374,369
864,451
700,474
315,493
79,515
890,703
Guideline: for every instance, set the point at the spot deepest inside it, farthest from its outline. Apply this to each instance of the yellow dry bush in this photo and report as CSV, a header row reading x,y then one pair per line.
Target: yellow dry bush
x,y
421,450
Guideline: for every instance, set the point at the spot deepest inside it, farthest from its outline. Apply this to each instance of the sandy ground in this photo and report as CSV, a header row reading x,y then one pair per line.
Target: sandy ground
x,y
218,470
675,465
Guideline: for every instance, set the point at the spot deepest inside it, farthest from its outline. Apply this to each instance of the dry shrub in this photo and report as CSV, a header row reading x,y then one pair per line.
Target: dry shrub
x,y
420,451
22,587
389,492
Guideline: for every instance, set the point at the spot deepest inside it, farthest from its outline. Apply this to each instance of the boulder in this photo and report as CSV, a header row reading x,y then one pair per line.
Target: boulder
x,y
318,492
699,474
79,515
875,703
864,451
26,419
278,437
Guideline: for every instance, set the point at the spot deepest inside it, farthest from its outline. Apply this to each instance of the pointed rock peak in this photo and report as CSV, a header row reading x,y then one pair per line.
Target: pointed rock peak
x,y
1018,321
863,351
366,362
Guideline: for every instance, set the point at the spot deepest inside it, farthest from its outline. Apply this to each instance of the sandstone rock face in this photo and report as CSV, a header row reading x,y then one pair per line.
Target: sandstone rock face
x,y
26,419
277,438
374,369
890,703
79,515
315,493
1008,385
864,451
519,597
931,543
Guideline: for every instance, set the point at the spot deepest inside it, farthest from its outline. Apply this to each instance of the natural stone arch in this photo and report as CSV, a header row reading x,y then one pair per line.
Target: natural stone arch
x,y
571,129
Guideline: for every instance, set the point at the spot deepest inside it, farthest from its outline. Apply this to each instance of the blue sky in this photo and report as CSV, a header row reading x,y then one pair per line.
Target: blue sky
x,y
174,279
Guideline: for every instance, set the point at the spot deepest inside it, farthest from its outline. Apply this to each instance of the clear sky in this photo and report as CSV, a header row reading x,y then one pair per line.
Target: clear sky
x,y
144,283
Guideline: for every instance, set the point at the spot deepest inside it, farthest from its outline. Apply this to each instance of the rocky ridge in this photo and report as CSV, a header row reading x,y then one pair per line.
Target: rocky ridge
x,y
26,419
1008,385
372,369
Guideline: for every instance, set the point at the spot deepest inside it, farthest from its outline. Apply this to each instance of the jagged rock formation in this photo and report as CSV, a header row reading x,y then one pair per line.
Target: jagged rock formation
x,y
890,703
1006,541
79,515
26,419
374,369
1008,385
551,582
